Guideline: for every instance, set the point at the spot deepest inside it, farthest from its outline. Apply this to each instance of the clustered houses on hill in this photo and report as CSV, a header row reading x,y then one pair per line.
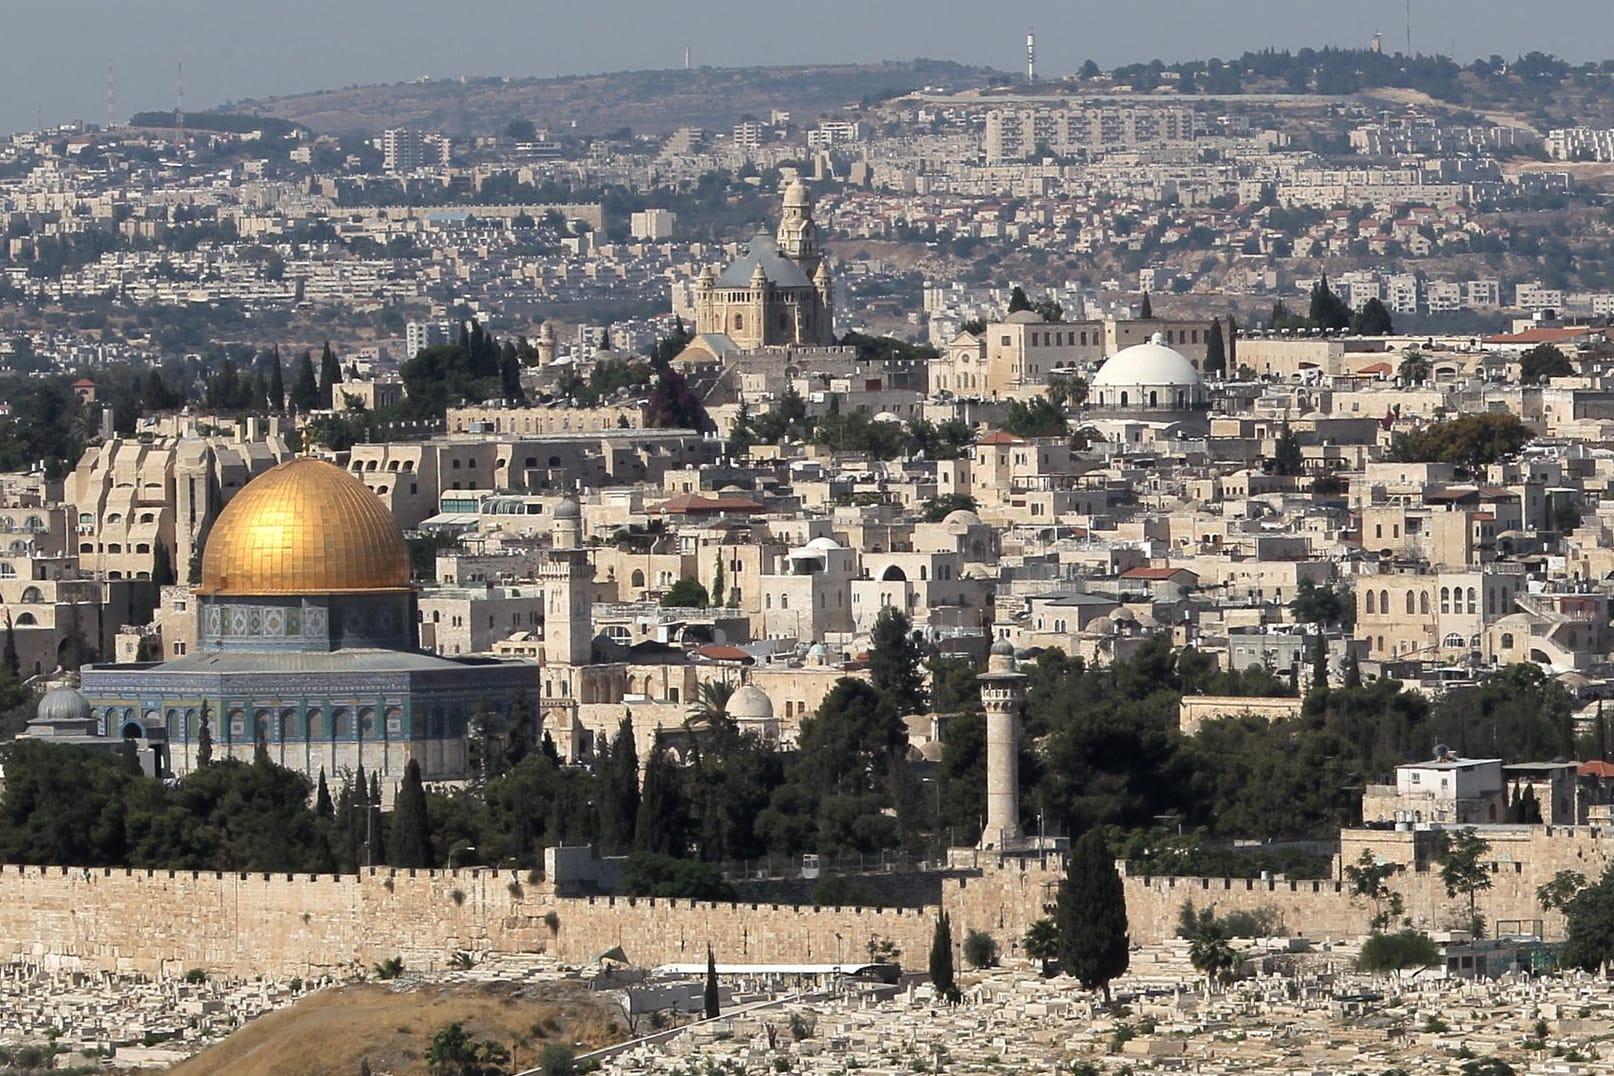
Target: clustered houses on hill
x,y
1081,485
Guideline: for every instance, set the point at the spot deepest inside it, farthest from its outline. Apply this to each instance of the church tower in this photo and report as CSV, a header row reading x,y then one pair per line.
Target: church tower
x,y
798,234
1003,692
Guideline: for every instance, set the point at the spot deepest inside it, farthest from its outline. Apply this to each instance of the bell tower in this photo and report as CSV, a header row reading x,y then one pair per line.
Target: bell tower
x,y
798,234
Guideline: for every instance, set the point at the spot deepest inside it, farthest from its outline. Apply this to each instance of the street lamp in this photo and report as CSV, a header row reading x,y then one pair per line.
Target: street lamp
x,y
457,851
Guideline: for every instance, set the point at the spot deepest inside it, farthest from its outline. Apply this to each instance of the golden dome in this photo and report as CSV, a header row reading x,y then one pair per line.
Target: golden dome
x,y
304,527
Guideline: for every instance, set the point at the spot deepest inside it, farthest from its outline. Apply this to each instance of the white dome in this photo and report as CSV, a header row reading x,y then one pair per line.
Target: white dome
x,y
823,543
1147,364
749,703
961,517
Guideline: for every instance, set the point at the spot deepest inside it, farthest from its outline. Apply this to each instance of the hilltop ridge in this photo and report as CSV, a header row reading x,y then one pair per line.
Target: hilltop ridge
x,y
648,102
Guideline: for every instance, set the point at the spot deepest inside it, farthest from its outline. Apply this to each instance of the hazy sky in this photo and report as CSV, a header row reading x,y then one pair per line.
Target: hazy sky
x,y
56,53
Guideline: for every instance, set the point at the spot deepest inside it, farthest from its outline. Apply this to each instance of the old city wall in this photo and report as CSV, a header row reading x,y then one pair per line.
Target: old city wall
x,y
251,924
156,922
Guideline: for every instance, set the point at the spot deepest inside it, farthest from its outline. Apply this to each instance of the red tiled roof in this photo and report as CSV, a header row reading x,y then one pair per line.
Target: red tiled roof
x,y
692,503
719,652
1152,573
1539,336
1376,368
1000,437
1599,769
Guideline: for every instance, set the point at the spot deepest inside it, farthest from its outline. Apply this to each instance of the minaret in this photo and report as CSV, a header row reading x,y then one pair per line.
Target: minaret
x,y
568,578
1003,690
546,344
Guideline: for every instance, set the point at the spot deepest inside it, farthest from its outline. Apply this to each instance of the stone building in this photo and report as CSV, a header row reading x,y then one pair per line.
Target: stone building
x,y
777,292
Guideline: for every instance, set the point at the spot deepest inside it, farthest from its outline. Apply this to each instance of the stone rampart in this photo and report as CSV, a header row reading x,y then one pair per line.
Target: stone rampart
x,y
287,925
156,922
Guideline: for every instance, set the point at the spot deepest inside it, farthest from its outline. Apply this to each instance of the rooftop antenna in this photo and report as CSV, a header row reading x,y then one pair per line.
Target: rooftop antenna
x,y
1031,54
686,57
1409,29
111,97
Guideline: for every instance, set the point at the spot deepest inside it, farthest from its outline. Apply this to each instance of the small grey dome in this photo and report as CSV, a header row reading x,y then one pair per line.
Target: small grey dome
x,y
62,704
1003,648
749,703
568,509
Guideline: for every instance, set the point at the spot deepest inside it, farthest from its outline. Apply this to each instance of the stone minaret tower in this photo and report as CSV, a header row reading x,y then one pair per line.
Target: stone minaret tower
x,y
798,235
546,344
1003,690
568,578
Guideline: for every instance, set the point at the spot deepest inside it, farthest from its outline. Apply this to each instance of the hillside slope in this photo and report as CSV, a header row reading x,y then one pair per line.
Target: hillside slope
x,y
330,1032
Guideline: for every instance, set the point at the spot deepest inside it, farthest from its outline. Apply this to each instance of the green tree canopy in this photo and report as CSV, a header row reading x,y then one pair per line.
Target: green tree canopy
x,y
687,593
1374,319
1543,363
1039,416
1469,442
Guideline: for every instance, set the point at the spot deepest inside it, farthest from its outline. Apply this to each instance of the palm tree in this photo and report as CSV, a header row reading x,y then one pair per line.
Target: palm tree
x,y
1210,953
1042,941
1414,368
710,706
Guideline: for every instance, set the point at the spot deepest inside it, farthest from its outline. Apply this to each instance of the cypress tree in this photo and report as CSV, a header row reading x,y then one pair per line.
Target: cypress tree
x,y
204,741
894,659
8,658
1091,915
1215,350
711,984
720,594
304,386
663,823
277,383
330,376
941,961
322,799
1353,671
378,826
1233,344
411,828
619,806
1319,660
1145,308
1018,300
162,565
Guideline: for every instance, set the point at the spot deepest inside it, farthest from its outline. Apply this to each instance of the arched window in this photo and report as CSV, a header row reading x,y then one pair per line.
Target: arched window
x,y
637,578
1123,399
1372,605
316,725
784,601
8,571
1507,640
26,620
32,594
1384,602
1154,398
1453,640
1411,608
739,321
1423,602
1473,600
1445,600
